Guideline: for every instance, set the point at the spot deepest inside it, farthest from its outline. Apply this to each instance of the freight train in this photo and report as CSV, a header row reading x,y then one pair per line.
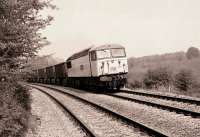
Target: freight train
x,y
102,66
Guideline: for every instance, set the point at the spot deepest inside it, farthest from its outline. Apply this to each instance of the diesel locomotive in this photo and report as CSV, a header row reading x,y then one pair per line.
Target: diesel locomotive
x,y
102,66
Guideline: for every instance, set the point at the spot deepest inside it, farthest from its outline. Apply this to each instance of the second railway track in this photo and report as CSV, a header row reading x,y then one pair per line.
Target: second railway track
x,y
172,98
157,104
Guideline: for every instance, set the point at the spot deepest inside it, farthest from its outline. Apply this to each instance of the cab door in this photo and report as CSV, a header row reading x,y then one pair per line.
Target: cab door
x,y
93,63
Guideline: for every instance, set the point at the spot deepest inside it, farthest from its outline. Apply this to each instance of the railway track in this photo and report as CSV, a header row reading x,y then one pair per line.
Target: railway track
x,y
85,128
178,99
157,105
142,128
173,107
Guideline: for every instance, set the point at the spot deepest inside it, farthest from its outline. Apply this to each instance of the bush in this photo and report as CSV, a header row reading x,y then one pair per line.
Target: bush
x,y
22,97
160,76
135,84
150,79
14,109
184,80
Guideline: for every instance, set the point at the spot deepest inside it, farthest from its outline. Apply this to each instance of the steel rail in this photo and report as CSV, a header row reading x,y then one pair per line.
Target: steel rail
x,y
165,107
179,99
135,123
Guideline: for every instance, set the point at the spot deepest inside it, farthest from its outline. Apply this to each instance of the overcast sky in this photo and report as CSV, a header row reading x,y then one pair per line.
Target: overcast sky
x,y
144,27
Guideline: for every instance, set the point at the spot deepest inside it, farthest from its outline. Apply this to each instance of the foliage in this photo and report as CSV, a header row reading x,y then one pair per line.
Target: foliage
x,y
41,62
22,97
20,39
157,77
192,53
37,62
14,109
20,23
140,69
150,79
184,80
135,84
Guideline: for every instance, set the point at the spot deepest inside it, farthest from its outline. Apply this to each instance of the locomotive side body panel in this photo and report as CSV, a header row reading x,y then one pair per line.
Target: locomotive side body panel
x,y
80,67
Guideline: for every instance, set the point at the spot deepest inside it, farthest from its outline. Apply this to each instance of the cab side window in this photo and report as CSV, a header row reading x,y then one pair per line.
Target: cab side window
x,y
69,64
93,55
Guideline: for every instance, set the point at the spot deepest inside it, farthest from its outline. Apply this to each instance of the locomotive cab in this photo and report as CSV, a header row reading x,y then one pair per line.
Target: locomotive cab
x,y
109,63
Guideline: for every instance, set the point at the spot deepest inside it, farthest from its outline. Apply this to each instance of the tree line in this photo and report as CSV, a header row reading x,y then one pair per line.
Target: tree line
x,y
176,71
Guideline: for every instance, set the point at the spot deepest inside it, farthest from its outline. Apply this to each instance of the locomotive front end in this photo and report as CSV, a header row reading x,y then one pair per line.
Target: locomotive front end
x,y
111,65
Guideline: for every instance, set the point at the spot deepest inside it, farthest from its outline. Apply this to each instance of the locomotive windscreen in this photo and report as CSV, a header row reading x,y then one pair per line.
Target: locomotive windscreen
x,y
118,52
102,54
108,53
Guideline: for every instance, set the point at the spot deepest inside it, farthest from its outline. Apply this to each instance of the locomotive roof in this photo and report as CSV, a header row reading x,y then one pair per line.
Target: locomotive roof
x,y
108,46
85,51
60,64
79,54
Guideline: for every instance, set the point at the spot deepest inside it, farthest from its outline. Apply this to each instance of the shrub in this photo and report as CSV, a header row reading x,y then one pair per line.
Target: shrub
x,y
160,76
150,79
184,80
22,97
136,84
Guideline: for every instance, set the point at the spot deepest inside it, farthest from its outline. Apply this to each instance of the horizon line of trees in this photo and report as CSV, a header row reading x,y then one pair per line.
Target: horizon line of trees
x,y
178,71
164,77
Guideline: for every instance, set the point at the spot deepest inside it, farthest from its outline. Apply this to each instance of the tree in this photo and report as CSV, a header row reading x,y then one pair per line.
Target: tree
x,y
20,23
192,53
183,80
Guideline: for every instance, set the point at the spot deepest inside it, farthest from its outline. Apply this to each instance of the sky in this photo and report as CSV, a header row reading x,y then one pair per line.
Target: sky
x,y
143,27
